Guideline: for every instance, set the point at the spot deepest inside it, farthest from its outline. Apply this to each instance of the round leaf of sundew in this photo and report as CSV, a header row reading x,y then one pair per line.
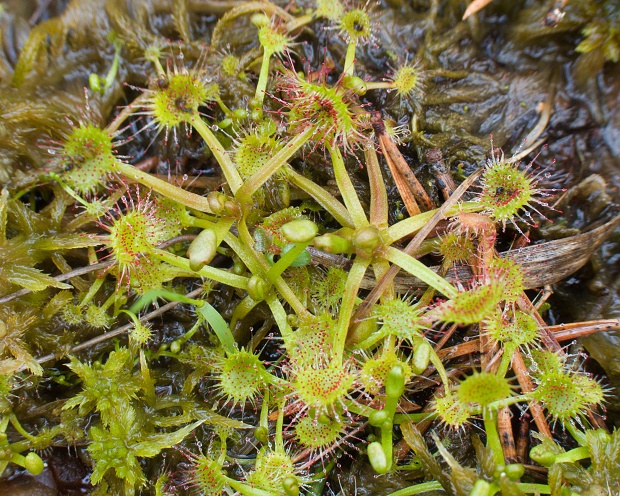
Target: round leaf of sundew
x,y
483,388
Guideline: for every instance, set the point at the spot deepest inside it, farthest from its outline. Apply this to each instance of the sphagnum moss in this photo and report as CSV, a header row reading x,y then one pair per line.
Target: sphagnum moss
x,y
265,337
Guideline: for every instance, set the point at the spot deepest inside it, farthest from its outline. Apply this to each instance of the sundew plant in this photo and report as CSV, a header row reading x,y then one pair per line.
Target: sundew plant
x,y
223,272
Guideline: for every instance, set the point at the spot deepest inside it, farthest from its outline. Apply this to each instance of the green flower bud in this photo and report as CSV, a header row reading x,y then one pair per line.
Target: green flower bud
x,y
240,114
292,320
232,208
514,471
378,417
421,357
262,434
33,463
224,123
202,250
238,267
258,288
362,331
367,239
300,230
260,20
541,456
395,384
377,458
355,84
481,488
332,243
95,82
216,201
175,346
291,486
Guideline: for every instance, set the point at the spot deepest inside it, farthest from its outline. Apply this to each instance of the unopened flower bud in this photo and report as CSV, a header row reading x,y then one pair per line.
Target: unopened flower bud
x,y
367,239
258,288
395,384
202,250
332,243
290,485
300,230
262,434
231,208
514,471
378,417
355,84
421,357
216,201
377,458
260,20
541,456
481,488
33,463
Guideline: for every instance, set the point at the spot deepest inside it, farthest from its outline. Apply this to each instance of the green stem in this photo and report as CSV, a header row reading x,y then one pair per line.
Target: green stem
x,y
260,177
17,426
228,168
279,315
574,455
399,418
513,400
207,271
246,254
111,75
425,487
509,350
349,61
354,279
379,85
421,271
345,186
322,197
579,436
221,227
299,22
261,85
164,188
285,261
489,417
438,364
527,487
